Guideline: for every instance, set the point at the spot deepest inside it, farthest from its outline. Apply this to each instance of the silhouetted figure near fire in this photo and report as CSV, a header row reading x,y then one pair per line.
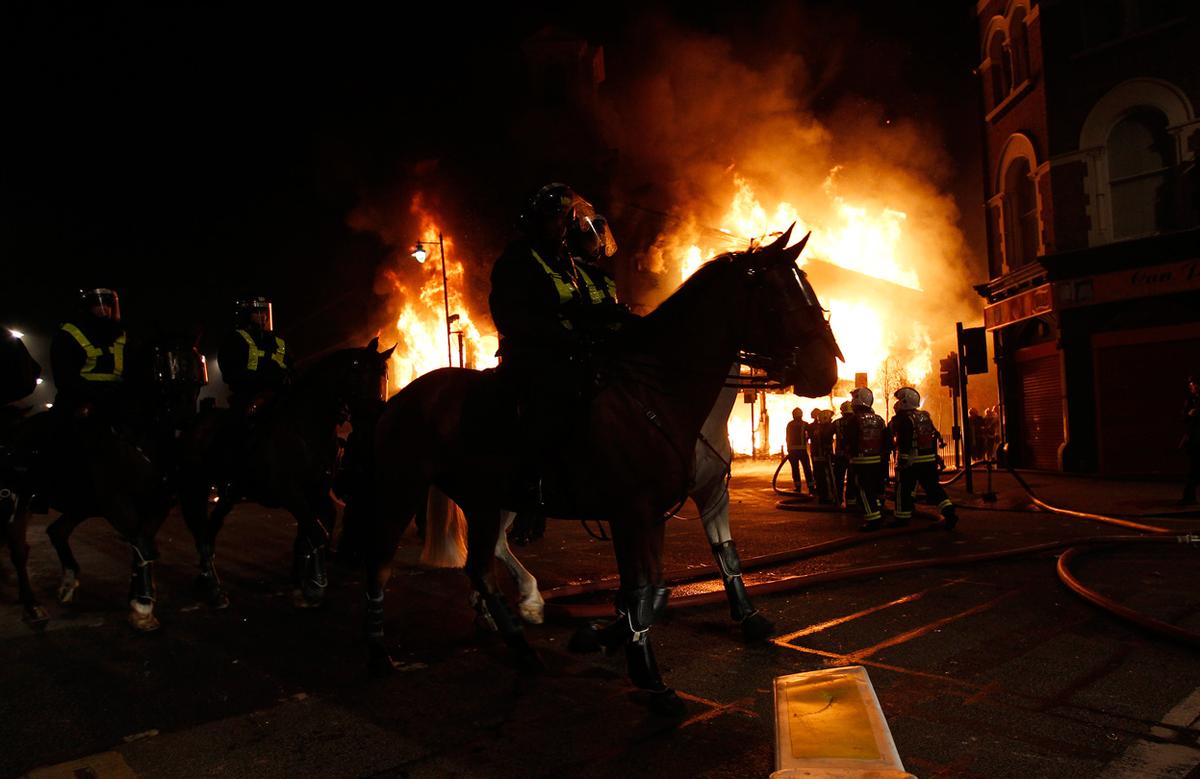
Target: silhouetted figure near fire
x,y
1190,443
797,451
820,446
553,313
917,441
868,447
841,462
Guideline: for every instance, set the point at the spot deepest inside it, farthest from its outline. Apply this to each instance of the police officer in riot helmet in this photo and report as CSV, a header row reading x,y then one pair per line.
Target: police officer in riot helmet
x,y
916,458
87,357
551,304
254,360
867,448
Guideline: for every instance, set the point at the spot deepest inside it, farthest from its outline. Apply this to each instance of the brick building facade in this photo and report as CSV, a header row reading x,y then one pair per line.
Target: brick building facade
x,y
1091,139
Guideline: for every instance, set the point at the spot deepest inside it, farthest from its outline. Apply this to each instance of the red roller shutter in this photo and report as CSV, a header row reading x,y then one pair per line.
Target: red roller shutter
x,y
1041,407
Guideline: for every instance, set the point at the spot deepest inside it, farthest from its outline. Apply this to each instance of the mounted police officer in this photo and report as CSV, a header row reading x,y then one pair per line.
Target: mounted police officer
x,y
867,447
87,358
254,360
916,458
552,307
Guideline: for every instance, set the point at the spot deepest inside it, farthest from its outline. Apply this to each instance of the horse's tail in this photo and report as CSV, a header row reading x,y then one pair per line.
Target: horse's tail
x,y
445,532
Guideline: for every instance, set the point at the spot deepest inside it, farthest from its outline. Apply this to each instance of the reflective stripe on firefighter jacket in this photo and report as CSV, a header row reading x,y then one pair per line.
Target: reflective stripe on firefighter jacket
x,y
916,438
254,354
568,290
97,366
868,444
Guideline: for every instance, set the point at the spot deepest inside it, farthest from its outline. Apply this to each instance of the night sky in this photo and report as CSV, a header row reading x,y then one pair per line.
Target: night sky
x,y
187,154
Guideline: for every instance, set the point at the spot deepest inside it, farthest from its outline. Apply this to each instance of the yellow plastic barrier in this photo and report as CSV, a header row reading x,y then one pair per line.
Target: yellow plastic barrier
x,y
828,724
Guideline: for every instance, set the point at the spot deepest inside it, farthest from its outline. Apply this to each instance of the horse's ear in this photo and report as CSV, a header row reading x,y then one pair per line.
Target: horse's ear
x,y
374,345
388,353
779,243
790,254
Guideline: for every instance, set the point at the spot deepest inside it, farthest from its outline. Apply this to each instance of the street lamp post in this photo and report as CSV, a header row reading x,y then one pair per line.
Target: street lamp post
x,y
419,254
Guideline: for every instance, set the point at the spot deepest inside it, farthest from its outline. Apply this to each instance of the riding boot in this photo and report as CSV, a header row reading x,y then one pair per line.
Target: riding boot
x,y
754,624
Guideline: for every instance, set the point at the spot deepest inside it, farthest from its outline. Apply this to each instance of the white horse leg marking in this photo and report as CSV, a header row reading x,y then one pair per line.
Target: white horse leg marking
x,y
531,607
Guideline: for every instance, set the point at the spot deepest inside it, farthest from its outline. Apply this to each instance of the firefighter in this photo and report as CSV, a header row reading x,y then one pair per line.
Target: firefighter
x,y
867,448
1190,442
841,463
551,313
820,437
797,451
916,458
254,360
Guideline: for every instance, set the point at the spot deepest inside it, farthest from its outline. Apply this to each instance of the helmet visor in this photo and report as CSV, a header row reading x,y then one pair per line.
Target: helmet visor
x,y
102,302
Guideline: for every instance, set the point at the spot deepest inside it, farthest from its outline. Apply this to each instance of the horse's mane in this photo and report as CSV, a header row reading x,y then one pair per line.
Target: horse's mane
x,y
721,264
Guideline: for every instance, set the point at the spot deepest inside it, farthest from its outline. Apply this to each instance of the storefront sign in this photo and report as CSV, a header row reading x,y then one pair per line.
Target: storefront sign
x,y
1133,283
1028,304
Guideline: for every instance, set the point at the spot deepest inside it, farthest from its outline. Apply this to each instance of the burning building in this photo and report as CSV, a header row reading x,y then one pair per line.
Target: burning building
x,y
1093,196
693,152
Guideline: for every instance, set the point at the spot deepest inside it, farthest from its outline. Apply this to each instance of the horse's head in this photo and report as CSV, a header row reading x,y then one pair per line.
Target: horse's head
x,y
365,380
786,331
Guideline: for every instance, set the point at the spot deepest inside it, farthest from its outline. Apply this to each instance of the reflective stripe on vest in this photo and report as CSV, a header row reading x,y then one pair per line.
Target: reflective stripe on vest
x,y
866,459
88,371
595,292
254,354
566,290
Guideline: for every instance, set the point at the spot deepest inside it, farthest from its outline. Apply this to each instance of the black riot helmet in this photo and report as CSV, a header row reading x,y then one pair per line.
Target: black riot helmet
x,y
552,203
253,313
101,302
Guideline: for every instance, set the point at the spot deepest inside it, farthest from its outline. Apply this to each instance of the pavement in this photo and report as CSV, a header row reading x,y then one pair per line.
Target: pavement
x,y
983,669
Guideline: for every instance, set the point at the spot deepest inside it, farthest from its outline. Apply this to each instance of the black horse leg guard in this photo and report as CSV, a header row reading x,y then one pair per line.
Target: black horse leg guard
x,y
310,563
374,616
643,605
141,583
208,583
731,576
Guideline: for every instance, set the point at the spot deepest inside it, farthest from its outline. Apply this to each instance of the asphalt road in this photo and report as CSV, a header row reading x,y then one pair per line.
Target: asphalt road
x,y
982,669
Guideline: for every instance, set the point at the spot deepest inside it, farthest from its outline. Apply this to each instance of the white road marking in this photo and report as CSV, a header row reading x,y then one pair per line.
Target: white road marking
x,y
1146,759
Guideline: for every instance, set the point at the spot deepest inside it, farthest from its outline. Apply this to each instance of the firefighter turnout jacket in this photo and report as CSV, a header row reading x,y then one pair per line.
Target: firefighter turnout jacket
x,y
915,436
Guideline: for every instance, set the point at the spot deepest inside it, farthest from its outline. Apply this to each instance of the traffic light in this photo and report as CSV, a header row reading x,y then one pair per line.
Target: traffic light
x,y
950,371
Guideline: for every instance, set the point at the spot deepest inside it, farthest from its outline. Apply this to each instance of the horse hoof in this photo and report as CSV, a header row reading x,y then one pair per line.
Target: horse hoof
x,y
210,593
35,616
585,640
379,663
67,587
308,598
142,619
533,613
756,627
666,703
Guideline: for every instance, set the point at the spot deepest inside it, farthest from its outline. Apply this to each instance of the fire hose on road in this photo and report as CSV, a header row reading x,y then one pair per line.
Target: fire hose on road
x,y
1074,548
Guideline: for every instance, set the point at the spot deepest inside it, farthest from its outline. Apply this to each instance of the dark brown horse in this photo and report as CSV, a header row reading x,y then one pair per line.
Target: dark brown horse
x,y
287,460
625,456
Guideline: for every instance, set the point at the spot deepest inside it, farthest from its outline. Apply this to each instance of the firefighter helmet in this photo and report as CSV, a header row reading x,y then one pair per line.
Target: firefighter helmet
x,y
101,302
908,399
862,396
846,408
798,414
254,311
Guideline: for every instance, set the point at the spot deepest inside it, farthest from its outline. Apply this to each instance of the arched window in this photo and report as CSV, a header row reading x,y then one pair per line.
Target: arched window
x,y
1021,214
1018,45
1001,68
1141,161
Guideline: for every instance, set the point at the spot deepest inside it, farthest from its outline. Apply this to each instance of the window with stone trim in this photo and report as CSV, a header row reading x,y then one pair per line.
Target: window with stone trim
x,y
1141,163
1021,214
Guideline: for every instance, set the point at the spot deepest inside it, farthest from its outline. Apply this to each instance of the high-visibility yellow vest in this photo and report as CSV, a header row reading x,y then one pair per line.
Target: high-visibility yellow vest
x,y
89,370
568,291
254,354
